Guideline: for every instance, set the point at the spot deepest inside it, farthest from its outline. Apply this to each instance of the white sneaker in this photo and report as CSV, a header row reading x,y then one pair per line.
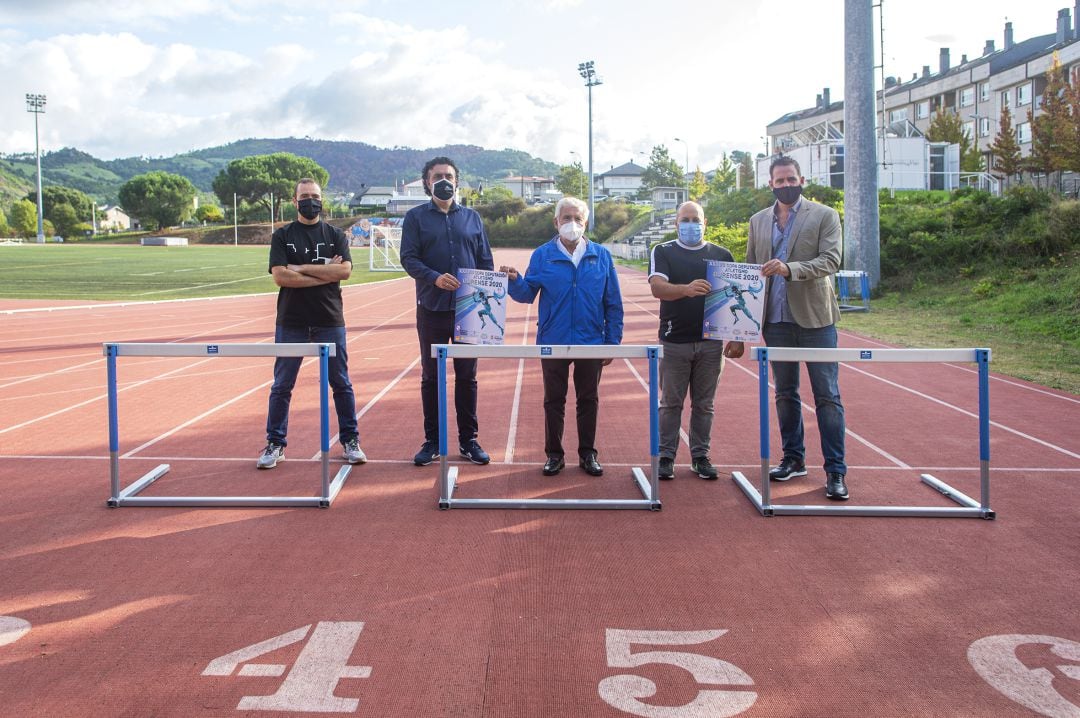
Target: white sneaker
x,y
271,455
352,452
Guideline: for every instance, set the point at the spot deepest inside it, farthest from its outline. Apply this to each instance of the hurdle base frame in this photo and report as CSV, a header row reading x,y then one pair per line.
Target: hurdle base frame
x,y
448,475
968,507
129,496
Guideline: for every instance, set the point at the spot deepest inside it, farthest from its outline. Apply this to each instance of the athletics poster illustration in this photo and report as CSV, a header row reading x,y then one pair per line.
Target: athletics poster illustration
x,y
480,307
735,307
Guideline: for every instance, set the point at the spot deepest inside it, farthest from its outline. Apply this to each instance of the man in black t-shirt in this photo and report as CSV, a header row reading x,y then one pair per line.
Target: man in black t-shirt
x,y
677,271
309,259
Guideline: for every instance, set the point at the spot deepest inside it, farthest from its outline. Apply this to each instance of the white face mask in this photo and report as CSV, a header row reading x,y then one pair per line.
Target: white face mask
x,y
571,231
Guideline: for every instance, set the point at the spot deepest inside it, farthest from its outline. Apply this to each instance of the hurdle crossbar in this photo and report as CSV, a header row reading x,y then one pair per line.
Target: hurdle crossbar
x,y
968,507
129,496
844,297
647,485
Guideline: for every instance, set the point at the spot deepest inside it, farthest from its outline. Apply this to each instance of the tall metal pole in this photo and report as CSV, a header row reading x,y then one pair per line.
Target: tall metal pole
x,y
587,71
862,234
686,169
235,230
36,104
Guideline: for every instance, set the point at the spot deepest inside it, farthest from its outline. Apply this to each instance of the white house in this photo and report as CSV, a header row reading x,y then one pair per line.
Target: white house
x,y
529,188
114,219
621,181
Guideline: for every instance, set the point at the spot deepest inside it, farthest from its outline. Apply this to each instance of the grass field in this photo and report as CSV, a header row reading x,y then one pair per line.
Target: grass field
x,y
136,273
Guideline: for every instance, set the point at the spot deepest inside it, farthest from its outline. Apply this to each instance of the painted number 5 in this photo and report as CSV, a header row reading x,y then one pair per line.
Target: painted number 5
x,y
624,691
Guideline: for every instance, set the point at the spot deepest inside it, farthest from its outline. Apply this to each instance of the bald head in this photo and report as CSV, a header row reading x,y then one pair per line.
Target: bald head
x,y
690,211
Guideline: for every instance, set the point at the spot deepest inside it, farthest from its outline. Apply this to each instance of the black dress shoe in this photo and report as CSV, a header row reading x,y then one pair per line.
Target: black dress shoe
x,y
789,468
591,465
553,465
835,488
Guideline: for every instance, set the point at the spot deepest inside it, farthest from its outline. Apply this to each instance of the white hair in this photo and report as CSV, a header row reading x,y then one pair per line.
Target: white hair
x,y
573,202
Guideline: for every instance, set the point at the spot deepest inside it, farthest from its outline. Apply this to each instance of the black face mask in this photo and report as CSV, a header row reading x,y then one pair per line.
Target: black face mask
x,y
443,189
787,195
309,208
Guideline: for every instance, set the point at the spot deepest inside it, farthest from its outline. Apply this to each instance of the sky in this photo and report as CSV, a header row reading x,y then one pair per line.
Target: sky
x,y
159,77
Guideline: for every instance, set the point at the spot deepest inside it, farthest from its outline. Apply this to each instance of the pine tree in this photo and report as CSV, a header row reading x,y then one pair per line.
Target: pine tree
x,y
698,185
1005,148
1050,130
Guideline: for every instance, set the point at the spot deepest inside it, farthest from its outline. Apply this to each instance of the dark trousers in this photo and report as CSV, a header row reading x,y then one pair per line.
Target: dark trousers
x,y
438,328
286,369
587,389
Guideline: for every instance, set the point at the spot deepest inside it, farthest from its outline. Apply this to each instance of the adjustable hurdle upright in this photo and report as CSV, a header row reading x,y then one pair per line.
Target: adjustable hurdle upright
x,y
968,507
647,485
844,293
129,495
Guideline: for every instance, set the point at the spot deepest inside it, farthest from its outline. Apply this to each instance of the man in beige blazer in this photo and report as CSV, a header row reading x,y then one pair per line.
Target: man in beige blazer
x,y
798,244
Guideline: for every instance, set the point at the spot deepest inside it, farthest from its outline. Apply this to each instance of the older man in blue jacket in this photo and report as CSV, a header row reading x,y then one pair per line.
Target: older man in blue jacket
x,y
580,303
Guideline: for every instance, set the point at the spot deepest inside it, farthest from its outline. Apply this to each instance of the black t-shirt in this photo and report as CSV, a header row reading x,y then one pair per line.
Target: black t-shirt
x,y
681,320
298,243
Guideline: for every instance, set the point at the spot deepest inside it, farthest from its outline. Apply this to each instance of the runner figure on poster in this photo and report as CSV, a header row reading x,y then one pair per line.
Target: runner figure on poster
x,y
738,288
474,308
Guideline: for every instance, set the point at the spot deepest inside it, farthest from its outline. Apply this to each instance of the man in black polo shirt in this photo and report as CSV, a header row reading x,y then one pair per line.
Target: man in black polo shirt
x,y
437,239
309,259
677,272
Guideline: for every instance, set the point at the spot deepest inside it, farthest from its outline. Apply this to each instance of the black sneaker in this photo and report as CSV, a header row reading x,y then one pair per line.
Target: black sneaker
x,y
474,453
789,468
666,469
704,468
835,488
428,453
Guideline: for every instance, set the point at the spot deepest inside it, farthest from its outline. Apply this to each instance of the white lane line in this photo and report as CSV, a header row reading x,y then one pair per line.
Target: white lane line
x,y
645,385
809,409
51,373
515,407
1002,380
965,412
198,286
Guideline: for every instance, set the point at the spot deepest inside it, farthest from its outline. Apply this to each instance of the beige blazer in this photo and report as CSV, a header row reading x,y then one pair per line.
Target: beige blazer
x,y
814,251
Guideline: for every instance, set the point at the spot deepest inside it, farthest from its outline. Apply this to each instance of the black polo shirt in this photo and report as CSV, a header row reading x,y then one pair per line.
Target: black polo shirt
x,y
681,320
298,243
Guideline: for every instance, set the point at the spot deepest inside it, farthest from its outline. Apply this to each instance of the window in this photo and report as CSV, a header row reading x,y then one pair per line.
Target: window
x,y
922,110
984,92
984,127
1023,95
967,97
1006,98
1023,132
969,129
898,115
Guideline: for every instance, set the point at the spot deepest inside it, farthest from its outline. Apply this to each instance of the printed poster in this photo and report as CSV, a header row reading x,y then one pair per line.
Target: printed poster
x,y
480,306
735,307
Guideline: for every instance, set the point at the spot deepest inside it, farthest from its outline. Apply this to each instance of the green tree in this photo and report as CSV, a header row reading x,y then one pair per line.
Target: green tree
x,y
1006,149
1072,131
497,193
24,218
4,229
209,213
55,195
662,171
254,178
947,126
723,180
164,198
1050,130
65,220
572,180
698,185
746,168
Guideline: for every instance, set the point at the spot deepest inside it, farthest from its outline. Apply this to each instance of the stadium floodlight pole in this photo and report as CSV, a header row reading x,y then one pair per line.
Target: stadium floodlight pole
x,y
36,104
588,73
686,174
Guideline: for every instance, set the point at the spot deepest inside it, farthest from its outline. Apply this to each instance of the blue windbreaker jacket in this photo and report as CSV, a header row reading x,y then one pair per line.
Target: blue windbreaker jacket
x,y
578,305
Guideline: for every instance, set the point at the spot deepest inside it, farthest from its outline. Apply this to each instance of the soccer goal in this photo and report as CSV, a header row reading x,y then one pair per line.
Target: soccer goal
x,y
385,255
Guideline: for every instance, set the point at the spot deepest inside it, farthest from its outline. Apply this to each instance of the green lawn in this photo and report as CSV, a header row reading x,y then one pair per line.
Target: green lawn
x,y
136,273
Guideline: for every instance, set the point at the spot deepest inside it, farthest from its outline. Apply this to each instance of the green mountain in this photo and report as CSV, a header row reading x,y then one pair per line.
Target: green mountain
x,y
352,165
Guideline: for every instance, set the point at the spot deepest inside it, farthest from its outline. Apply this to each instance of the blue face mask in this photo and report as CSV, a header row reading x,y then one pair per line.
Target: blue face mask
x,y
691,233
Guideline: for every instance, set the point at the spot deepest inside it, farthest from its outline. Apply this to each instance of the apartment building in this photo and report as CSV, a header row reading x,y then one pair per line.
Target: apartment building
x,y
977,89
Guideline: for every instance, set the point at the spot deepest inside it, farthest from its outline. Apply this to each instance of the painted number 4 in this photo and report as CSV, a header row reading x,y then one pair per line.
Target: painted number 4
x,y
624,691
309,687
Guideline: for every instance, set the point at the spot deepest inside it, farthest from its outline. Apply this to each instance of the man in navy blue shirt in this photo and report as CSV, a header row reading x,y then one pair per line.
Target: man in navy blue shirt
x,y
437,239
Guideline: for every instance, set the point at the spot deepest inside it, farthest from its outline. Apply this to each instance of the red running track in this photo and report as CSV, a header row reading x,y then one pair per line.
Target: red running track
x,y
383,605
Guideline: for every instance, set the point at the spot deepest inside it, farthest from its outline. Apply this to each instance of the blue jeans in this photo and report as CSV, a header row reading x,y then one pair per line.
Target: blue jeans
x,y
824,383
286,369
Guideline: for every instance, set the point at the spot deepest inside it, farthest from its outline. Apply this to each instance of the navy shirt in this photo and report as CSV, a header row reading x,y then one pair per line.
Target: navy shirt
x,y
434,243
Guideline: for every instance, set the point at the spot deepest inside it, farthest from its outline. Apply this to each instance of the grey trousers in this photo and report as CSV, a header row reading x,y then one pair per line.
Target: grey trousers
x,y
695,366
